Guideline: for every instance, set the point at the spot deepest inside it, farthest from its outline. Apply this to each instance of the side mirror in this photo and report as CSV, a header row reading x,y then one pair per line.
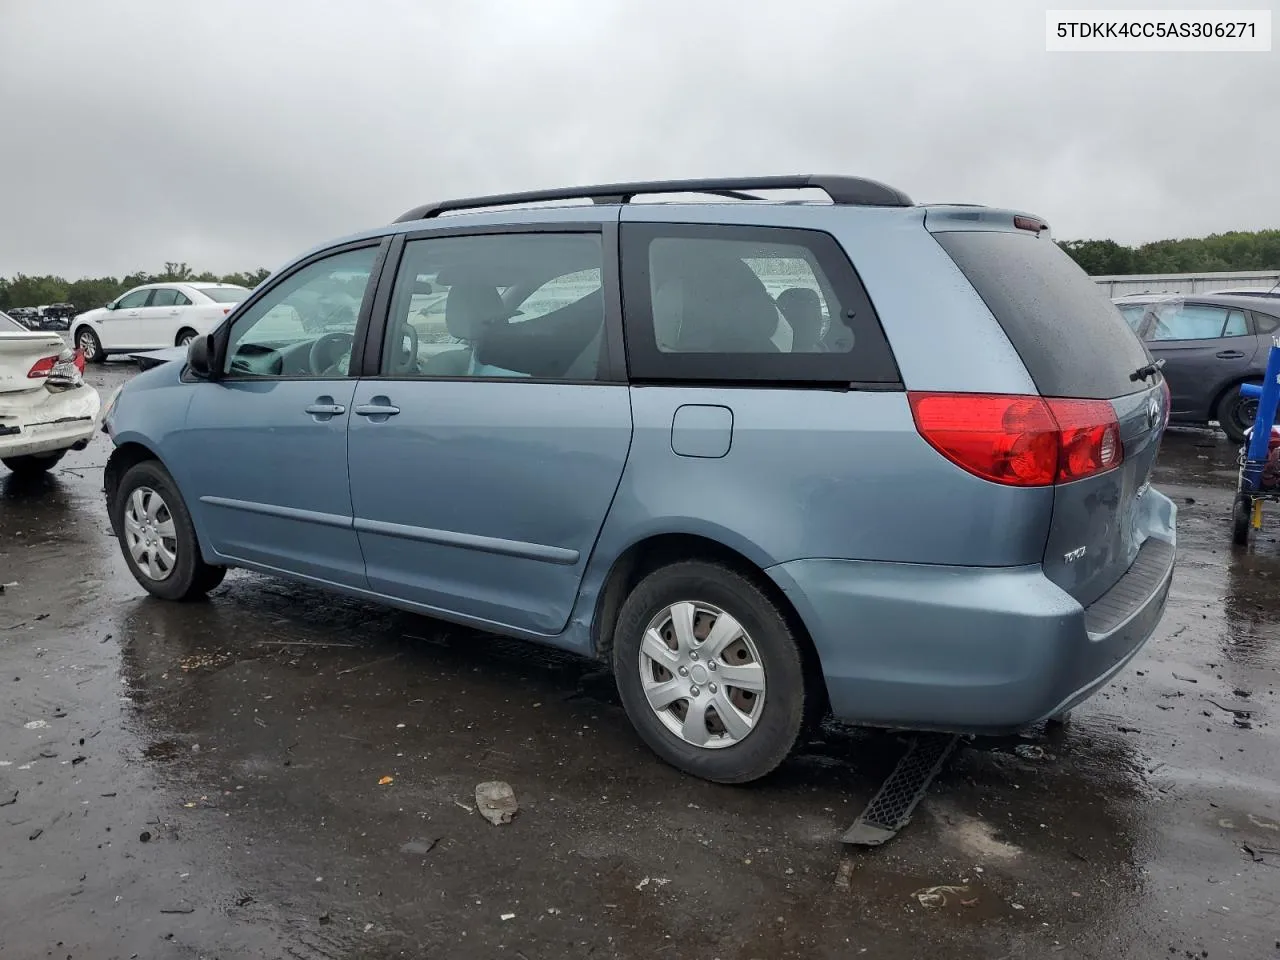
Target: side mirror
x,y
200,355
109,306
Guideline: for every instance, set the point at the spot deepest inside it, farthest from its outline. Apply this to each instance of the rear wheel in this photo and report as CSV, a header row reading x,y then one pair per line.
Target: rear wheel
x,y
1235,414
1241,515
157,537
90,346
709,672
34,463
185,336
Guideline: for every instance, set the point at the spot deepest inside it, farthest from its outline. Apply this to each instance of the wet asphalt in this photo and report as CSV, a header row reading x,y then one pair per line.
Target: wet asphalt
x,y
211,781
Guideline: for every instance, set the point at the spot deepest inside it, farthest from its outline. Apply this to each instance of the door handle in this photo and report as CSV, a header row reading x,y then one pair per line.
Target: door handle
x,y
174,313
324,408
377,409
1229,355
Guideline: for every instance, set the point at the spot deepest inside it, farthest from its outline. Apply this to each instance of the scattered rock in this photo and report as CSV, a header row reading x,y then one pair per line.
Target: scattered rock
x,y
1029,751
844,875
496,801
420,848
35,724
325,919
939,896
145,836
1242,693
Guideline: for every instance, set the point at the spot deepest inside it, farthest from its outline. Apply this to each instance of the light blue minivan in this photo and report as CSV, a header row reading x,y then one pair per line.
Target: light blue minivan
x,y
768,460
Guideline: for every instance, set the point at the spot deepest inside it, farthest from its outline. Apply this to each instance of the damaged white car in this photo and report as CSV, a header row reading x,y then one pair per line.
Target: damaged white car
x,y
46,408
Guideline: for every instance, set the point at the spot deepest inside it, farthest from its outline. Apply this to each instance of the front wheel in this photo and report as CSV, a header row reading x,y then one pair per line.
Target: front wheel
x,y
1236,414
185,337
1241,518
33,463
90,346
709,672
157,537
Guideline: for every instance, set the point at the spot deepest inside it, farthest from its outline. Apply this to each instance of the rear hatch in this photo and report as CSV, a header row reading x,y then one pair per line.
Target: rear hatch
x,y
20,351
1075,345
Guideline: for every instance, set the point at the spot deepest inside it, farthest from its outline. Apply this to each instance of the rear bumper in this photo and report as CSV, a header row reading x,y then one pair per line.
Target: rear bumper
x,y
973,649
56,421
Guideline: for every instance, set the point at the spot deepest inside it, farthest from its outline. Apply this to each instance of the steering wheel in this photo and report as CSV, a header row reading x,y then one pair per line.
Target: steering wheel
x,y
405,359
329,350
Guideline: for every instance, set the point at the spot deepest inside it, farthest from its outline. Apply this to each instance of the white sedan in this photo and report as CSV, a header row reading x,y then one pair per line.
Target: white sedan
x,y
46,408
152,317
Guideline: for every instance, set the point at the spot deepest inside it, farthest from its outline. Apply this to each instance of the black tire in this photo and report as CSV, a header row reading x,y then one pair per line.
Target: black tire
x,y
1235,414
185,336
189,577
33,464
780,717
1241,512
89,344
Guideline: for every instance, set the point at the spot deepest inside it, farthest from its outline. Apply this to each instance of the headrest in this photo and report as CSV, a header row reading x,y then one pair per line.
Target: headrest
x,y
470,307
802,309
726,308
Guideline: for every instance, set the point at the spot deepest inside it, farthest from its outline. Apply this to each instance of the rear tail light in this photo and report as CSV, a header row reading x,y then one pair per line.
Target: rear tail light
x,y
64,370
1020,441
41,368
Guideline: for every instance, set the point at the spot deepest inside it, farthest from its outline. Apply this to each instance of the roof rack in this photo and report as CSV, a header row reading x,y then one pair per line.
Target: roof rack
x,y
843,191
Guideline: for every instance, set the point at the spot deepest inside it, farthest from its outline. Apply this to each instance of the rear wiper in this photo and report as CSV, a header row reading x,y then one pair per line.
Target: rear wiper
x,y
1150,370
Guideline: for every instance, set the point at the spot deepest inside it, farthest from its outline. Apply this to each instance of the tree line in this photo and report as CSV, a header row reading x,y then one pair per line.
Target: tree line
x,y
1237,250
90,292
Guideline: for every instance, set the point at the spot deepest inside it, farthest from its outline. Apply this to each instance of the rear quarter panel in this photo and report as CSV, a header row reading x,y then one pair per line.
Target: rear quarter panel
x,y
817,473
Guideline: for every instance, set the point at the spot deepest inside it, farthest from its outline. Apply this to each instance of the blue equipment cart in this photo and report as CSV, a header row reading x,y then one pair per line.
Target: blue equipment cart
x,y
1252,488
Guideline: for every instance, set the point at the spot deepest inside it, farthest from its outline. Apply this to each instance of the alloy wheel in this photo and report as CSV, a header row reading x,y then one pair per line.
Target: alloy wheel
x,y
150,534
702,674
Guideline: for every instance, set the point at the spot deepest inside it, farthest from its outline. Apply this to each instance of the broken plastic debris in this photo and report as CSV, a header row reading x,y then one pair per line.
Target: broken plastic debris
x,y
656,881
36,724
938,896
496,801
508,916
384,781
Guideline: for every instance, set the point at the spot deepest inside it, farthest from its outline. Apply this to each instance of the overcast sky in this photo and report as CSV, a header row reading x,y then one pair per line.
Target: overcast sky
x,y
235,133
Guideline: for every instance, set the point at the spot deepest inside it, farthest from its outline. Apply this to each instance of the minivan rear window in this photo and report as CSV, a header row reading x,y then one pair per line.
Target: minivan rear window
x,y
1071,338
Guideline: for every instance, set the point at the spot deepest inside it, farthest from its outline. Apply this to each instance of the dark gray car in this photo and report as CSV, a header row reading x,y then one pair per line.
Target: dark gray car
x,y
1210,344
